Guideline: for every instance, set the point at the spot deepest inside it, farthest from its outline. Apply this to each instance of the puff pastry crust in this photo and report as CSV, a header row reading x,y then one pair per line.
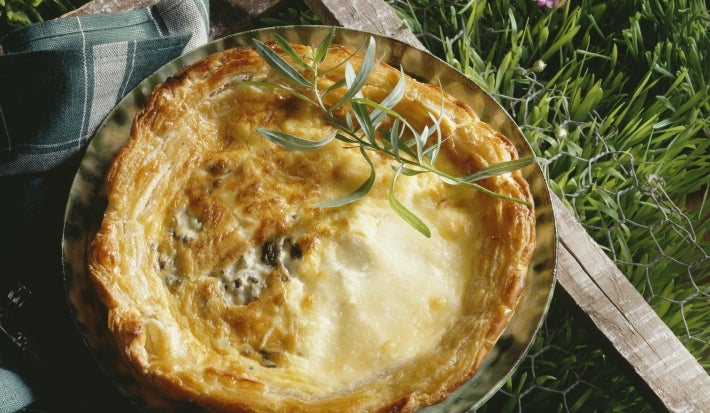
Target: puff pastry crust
x,y
227,288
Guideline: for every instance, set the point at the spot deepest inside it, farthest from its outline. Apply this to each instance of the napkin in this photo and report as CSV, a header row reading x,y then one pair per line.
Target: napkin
x,y
58,80
61,77
14,392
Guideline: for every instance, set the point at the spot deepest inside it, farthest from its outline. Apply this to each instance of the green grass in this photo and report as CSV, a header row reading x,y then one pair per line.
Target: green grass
x,y
616,97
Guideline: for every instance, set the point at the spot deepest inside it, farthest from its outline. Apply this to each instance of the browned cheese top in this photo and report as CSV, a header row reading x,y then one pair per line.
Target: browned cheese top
x,y
226,286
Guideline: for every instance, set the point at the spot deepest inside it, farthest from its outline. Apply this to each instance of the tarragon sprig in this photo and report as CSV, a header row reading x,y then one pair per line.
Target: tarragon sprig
x,y
413,151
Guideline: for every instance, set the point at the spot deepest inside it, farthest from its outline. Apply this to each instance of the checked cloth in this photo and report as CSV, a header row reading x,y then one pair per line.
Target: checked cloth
x,y
58,80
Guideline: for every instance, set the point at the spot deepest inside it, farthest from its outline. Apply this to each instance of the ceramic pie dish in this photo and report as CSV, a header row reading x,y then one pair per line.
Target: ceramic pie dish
x,y
145,342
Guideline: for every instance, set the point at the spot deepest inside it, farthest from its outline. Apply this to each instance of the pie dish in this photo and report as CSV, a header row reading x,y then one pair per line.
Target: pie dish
x,y
221,284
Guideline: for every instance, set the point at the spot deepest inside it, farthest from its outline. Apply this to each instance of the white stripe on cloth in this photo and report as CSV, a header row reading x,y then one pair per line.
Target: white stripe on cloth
x,y
185,16
155,22
110,64
131,65
86,83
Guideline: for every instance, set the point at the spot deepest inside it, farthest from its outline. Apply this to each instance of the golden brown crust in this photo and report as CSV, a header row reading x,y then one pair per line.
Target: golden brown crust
x,y
226,287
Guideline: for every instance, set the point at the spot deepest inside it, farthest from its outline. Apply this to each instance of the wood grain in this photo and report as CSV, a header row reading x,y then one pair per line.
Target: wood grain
x,y
109,6
656,357
631,326
373,16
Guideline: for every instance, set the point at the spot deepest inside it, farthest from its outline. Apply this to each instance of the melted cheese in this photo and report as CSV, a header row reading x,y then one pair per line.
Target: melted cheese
x,y
386,294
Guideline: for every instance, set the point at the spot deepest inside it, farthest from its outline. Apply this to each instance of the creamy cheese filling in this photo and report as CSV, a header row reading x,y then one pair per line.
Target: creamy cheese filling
x,y
381,295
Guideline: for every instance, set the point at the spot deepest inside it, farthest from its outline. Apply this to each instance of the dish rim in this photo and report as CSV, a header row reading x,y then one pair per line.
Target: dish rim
x,y
85,205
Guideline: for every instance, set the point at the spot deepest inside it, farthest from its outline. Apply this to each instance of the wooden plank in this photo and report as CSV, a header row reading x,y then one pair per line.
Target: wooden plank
x,y
656,357
373,16
109,6
617,309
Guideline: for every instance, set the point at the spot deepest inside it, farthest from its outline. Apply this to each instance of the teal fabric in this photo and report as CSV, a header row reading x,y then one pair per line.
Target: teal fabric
x,y
14,392
39,134
58,80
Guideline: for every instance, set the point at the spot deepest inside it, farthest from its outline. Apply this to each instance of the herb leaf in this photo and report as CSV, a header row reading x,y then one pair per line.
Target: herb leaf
x,y
294,143
405,213
281,66
499,168
322,50
413,152
359,193
358,82
363,118
288,49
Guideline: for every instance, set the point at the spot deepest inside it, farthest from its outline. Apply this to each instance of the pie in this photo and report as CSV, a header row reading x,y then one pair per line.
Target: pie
x,y
229,287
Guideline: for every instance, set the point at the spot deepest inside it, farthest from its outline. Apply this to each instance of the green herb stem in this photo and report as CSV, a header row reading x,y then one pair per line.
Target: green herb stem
x,y
362,126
